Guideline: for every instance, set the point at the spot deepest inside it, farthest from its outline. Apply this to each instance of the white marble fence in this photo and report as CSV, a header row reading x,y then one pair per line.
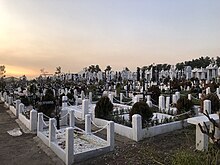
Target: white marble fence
x,y
71,153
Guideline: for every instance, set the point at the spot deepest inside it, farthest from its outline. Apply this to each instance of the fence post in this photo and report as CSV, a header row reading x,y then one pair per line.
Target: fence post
x,y
88,123
33,120
71,118
121,98
20,108
90,97
137,127
17,102
64,116
69,146
52,130
111,135
40,124
85,108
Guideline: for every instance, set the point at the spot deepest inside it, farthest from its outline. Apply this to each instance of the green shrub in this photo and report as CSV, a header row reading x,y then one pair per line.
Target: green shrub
x,y
142,109
104,108
184,105
25,100
46,108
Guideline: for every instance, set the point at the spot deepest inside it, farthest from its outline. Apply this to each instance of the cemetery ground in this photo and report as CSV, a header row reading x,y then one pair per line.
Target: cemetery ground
x,y
25,149
158,150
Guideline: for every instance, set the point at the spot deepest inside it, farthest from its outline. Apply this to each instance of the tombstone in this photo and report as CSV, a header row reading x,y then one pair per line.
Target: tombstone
x,y
177,95
161,103
110,96
174,99
148,98
121,98
167,104
75,92
217,91
207,106
208,90
64,101
200,95
149,103
189,97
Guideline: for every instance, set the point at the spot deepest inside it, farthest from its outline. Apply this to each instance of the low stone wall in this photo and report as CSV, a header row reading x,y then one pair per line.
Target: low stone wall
x,y
136,132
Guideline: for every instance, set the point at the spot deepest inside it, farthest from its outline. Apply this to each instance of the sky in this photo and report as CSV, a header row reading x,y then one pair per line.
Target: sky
x,y
75,34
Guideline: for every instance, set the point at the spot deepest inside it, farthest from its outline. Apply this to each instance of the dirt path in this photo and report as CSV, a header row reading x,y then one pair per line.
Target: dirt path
x,y
25,149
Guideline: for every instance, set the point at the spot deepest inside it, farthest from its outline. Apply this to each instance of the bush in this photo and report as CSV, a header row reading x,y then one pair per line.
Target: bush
x,y
46,108
183,105
142,109
215,104
155,93
25,100
104,108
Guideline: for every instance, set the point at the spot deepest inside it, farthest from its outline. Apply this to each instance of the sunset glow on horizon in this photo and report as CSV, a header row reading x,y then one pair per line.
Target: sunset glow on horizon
x,y
36,34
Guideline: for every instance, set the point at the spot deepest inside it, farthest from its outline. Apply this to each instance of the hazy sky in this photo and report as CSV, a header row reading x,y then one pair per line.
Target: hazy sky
x,y
74,34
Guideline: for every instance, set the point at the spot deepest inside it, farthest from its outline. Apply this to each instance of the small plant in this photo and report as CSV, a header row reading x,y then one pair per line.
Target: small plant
x,y
183,105
104,108
142,109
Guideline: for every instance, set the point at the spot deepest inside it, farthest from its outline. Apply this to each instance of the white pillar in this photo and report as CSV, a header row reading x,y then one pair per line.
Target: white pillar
x,y
33,120
189,96
137,127
149,103
40,124
10,99
167,104
200,95
201,139
64,101
69,146
110,96
148,98
121,98
161,103
90,97
111,135
71,118
76,100
174,99
177,95
17,102
64,117
82,95
52,130
88,123
208,90
21,108
207,106
85,107
217,91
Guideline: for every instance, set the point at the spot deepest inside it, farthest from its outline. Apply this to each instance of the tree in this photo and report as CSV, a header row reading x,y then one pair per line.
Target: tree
x,y
138,74
142,109
58,70
104,108
2,75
